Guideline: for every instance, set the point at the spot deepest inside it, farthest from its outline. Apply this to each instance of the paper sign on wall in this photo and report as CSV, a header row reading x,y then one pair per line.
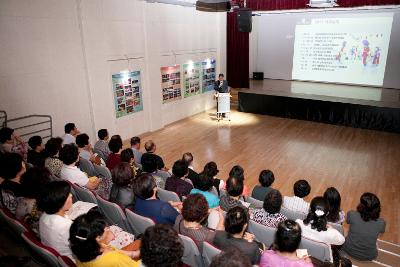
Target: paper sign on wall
x,y
171,83
127,93
208,80
191,78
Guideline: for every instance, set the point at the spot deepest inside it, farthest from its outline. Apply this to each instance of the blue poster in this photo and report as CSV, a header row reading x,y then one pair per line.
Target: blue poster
x,y
208,75
127,93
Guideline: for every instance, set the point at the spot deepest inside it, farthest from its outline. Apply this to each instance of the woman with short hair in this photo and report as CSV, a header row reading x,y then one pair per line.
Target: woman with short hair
x,y
265,179
122,188
269,215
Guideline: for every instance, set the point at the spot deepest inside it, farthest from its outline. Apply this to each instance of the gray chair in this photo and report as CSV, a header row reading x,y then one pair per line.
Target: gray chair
x,y
209,252
254,203
64,261
292,215
191,254
264,234
319,250
166,195
114,213
84,194
16,226
102,171
86,166
338,227
138,223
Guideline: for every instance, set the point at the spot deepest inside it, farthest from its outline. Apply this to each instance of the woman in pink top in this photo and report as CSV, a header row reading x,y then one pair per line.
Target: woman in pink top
x,y
287,240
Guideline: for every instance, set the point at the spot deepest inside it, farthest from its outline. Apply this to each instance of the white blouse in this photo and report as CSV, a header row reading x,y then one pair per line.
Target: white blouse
x,y
330,236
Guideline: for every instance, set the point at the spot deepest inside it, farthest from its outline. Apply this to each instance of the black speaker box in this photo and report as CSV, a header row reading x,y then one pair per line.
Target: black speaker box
x,y
258,75
244,19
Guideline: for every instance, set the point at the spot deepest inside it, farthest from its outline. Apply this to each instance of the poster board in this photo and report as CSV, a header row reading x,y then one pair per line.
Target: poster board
x,y
127,93
208,79
171,83
191,78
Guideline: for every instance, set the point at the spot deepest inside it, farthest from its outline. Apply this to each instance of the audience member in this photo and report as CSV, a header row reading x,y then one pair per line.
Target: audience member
x,y
70,133
231,257
69,156
365,227
101,146
55,200
11,189
90,239
269,215
146,203
128,157
150,147
192,174
177,182
52,162
149,165
287,240
32,183
266,179
315,225
135,145
296,203
211,170
195,211
335,214
238,172
234,189
115,146
86,150
235,235
161,246
36,155
204,185
122,189
11,142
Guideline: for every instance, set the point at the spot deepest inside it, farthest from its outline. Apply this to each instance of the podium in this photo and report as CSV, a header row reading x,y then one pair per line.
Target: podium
x,y
224,105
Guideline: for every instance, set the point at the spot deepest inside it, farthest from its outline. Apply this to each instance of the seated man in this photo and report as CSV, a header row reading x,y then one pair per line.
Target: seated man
x,y
192,175
135,145
176,183
149,165
86,151
36,155
70,133
296,203
150,147
101,146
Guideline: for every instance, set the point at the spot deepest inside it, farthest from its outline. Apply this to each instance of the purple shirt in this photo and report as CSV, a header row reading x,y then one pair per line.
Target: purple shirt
x,y
272,259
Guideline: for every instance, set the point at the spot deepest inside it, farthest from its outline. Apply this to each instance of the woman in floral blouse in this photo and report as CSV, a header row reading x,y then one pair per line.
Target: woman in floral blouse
x,y
269,215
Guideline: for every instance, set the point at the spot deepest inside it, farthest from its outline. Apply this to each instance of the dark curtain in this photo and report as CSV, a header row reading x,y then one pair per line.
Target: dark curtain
x,y
237,52
238,42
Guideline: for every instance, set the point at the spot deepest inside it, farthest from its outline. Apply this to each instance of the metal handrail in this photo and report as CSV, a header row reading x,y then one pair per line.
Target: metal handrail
x,y
41,130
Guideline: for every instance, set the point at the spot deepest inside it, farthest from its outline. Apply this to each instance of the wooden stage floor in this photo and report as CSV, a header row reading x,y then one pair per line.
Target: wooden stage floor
x,y
352,160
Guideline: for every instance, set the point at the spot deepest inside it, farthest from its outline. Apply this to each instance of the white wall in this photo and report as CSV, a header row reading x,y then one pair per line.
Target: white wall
x,y
57,57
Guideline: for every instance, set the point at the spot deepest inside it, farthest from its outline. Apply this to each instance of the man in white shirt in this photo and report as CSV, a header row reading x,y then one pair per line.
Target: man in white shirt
x,y
70,133
296,203
135,145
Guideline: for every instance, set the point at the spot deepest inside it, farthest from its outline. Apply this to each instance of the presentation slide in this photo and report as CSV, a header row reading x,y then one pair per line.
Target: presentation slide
x,y
342,49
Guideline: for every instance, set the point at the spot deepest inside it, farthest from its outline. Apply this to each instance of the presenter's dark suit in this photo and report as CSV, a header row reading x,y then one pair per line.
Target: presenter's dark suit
x,y
221,89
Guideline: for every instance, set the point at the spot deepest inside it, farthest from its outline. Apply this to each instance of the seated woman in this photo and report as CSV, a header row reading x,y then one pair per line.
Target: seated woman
x,y
287,240
115,146
13,167
52,149
235,235
238,172
177,182
230,257
122,189
266,179
89,239
32,182
194,213
147,204
315,225
365,227
12,143
128,156
203,185
269,215
335,214
234,189
211,170
161,246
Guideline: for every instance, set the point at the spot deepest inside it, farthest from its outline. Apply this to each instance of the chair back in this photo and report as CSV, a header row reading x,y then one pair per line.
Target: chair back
x,y
319,250
338,227
166,195
86,166
47,254
16,226
264,234
84,194
293,215
209,252
102,171
138,223
113,212
255,203
191,254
